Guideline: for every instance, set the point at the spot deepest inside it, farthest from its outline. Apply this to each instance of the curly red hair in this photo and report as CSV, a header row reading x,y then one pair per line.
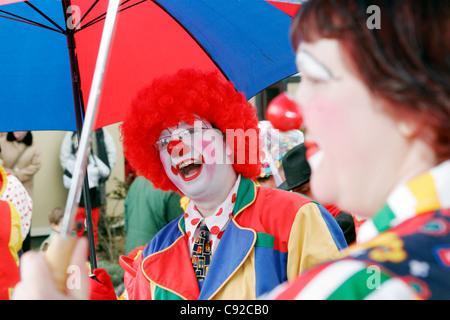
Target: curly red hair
x,y
176,98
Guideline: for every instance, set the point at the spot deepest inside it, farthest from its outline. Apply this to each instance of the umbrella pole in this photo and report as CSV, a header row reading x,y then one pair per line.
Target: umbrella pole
x,y
87,204
79,115
89,224
60,250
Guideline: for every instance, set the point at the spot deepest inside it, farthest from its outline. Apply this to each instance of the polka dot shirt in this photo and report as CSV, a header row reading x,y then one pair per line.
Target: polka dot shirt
x,y
216,223
16,193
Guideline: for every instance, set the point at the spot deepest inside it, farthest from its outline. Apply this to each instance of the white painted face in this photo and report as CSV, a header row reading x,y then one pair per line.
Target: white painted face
x,y
195,160
360,148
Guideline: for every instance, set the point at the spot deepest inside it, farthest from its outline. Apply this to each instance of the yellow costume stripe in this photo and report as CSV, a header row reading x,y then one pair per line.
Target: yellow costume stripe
x,y
310,241
243,284
15,239
3,180
424,190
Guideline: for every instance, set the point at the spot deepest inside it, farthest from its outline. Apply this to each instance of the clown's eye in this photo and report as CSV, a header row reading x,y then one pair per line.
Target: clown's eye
x,y
165,141
162,143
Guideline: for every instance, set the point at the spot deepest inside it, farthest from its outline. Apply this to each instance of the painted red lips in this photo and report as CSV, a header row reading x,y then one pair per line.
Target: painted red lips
x,y
189,169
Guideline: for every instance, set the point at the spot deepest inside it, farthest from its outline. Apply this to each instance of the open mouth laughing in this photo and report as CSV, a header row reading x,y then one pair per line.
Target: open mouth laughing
x,y
189,169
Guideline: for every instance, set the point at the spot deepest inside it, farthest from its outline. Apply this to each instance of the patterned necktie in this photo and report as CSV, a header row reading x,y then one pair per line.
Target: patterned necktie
x,y
201,253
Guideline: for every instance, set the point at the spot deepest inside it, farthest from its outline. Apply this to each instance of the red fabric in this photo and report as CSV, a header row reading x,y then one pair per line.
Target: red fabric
x,y
285,202
358,223
81,216
334,210
3,2
289,8
102,287
136,284
177,259
9,271
158,56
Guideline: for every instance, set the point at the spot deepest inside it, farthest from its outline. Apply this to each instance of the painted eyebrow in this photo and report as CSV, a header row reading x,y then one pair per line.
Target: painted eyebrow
x,y
311,56
170,130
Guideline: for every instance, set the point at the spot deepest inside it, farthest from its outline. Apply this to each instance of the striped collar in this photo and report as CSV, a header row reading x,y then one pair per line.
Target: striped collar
x,y
428,192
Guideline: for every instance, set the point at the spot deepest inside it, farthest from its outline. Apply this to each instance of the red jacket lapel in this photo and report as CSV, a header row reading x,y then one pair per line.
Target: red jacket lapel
x,y
172,270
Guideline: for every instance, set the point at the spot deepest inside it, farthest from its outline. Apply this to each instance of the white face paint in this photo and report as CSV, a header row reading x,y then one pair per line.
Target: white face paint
x,y
355,149
315,72
194,160
312,68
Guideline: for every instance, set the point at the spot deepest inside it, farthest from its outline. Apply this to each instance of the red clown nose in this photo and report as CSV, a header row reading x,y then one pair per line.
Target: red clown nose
x,y
177,148
283,113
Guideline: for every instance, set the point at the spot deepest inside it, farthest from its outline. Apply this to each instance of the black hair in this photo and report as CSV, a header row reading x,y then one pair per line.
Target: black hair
x,y
28,140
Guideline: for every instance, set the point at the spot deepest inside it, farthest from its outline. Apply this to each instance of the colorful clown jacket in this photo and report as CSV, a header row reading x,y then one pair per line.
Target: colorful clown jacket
x,y
404,251
272,237
10,243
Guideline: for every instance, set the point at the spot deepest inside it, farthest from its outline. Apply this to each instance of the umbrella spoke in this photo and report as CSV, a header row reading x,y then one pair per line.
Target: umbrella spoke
x,y
87,12
24,20
102,16
45,16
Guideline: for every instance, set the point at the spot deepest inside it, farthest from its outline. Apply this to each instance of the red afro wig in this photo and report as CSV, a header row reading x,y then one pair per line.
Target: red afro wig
x,y
176,98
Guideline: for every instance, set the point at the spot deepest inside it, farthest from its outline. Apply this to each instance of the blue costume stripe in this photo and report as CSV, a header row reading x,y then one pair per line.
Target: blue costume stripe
x,y
333,227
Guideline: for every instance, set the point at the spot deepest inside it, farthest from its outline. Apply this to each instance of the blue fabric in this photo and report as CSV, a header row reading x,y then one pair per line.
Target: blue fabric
x,y
164,238
270,266
426,248
35,82
247,39
223,264
251,49
333,227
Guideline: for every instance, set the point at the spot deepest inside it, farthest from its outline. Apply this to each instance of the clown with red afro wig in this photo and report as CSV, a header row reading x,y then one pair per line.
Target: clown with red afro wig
x,y
184,97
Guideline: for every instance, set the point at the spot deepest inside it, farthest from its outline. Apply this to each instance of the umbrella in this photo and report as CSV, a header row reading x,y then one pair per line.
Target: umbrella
x,y
40,59
49,50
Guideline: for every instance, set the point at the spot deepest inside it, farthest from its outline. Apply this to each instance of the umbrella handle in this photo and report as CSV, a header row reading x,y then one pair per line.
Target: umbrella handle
x,y
58,256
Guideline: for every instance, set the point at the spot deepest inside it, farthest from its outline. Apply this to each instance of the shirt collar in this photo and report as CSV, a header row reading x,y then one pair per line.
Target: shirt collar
x,y
216,222
426,193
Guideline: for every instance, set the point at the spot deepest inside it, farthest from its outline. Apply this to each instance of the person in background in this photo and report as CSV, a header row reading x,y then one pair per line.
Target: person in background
x,y
18,196
10,242
102,146
55,217
375,99
275,144
21,158
96,172
101,161
146,211
298,172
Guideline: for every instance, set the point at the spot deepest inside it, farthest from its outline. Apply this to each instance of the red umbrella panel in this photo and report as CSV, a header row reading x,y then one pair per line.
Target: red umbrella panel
x,y
245,40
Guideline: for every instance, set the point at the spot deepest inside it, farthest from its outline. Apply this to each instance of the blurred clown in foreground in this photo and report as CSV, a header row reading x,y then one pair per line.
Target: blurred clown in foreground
x,y
376,108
